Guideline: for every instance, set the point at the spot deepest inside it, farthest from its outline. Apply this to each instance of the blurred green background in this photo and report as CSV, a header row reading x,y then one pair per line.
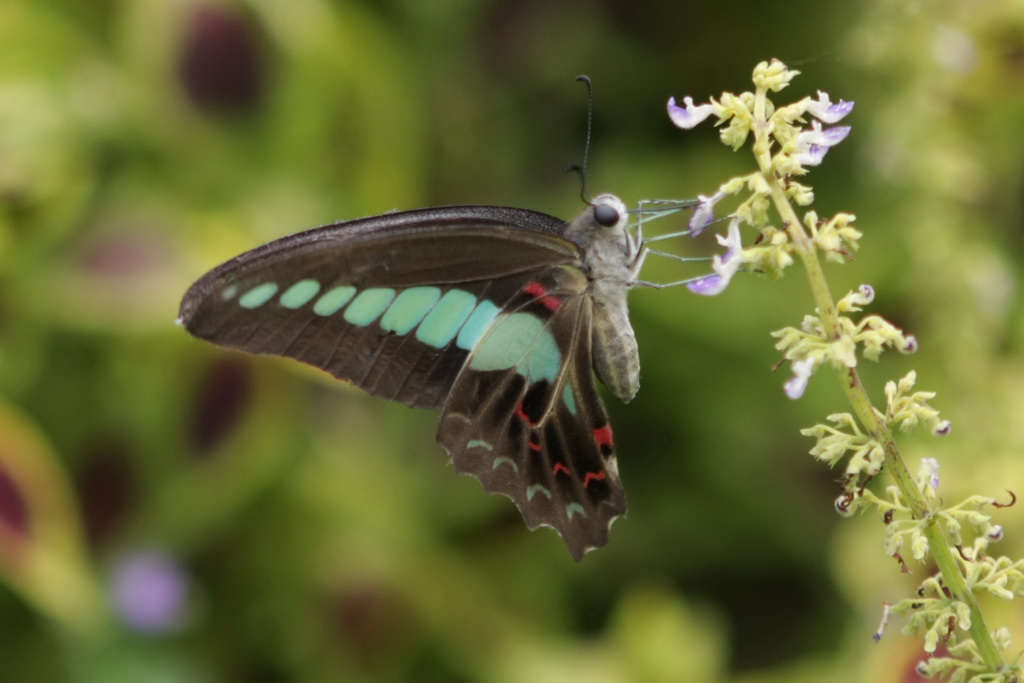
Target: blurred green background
x,y
282,527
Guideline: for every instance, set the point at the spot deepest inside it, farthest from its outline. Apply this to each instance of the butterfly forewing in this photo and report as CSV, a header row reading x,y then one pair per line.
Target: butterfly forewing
x,y
379,302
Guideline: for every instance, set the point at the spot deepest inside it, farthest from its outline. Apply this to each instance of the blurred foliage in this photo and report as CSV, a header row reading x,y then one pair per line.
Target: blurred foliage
x,y
318,532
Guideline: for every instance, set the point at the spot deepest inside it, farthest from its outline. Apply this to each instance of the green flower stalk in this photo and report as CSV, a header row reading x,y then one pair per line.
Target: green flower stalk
x,y
787,141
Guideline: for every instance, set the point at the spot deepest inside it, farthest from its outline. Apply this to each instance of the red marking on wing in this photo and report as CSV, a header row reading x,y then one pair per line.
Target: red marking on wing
x,y
535,289
534,446
551,302
603,435
521,414
595,476
559,467
548,301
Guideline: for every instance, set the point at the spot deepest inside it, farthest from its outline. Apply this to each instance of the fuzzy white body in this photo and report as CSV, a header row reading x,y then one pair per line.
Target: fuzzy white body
x,y
612,257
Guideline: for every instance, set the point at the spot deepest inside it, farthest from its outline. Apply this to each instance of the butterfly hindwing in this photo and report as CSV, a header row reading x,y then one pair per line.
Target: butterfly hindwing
x,y
525,419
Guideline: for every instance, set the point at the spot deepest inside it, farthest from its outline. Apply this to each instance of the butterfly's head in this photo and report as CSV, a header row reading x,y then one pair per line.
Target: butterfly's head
x,y
608,212
603,222
601,232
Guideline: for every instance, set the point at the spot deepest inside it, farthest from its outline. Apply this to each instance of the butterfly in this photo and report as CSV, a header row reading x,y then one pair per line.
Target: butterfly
x,y
496,316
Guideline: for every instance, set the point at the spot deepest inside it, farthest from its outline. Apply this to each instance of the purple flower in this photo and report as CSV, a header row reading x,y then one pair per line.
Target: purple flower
x,y
824,110
796,385
813,144
709,285
867,294
812,156
724,266
149,589
830,137
704,214
690,115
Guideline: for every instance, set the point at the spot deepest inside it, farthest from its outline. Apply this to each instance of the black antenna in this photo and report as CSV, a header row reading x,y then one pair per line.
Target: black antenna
x,y
582,169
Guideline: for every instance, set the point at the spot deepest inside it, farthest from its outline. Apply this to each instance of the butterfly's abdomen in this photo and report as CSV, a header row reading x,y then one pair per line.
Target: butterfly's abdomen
x,y
616,358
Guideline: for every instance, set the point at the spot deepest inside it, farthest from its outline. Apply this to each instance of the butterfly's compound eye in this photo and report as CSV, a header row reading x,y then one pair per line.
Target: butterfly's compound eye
x,y
606,215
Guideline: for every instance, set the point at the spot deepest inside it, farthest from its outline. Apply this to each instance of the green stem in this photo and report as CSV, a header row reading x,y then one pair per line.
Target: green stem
x,y
871,420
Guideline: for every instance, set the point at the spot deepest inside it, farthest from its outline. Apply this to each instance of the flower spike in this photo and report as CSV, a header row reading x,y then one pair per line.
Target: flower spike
x,y
952,541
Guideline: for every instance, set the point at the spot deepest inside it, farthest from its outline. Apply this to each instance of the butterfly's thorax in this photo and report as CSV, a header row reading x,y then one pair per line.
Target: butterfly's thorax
x,y
609,257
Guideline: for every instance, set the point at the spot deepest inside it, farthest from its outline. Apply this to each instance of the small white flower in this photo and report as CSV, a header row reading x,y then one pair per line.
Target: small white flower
x,y
867,294
733,241
824,110
797,384
689,115
812,156
886,611
844,504
929,472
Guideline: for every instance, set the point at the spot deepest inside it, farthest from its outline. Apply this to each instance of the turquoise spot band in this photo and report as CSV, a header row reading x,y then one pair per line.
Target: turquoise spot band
x,y
444,321
368,305
497,341
409,308
258,295
333,300
476,324
300,294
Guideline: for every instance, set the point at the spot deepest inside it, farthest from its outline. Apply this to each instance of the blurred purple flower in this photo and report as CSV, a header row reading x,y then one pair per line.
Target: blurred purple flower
x,y
149,588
